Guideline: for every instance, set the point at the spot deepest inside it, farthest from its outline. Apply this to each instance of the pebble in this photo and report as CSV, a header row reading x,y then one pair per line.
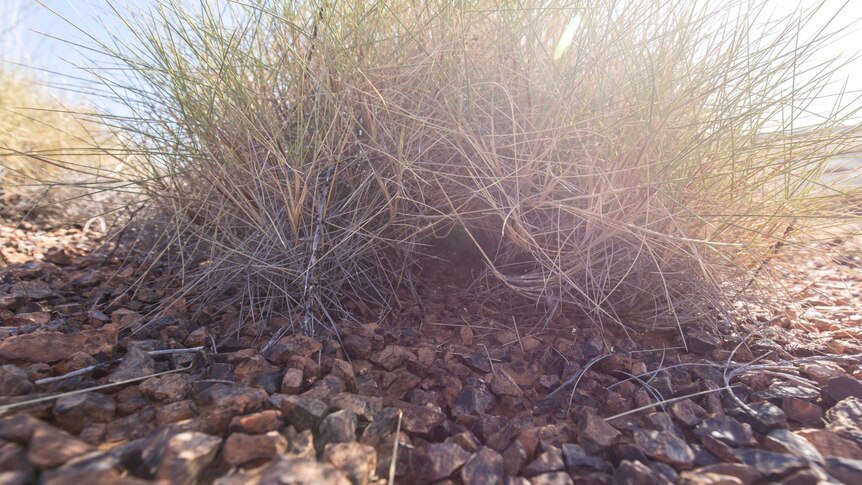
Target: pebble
x,y
664,447
169,388
727,430
302,412
73,412
241,448
768,462
50,447
56,346
338,427
594,433
786,441
357,461
484,467
803,412
435,461
300,470
136,363
14,381
257,423
842,387
549,461
185,456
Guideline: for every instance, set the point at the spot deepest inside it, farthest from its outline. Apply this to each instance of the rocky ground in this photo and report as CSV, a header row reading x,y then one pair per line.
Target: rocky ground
x,y
92,395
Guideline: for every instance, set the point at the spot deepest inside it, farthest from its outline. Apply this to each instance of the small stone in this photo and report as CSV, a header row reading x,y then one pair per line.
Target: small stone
x,y
302,412
503,385
554,478
844,469
596,434
34,290
73,411
301,444
392,357
366,407
255,371
176,411
357,461
198,337
484,467
421,420
769,463
300,470
136,363
688,412
257,423
234,400
549,461
14,458
821,372
698,478
702,343
56,346
766,416
241,448
727,430
635,473
292,346
357,346
78,360
50,447
435,461
185,456
829,443
577,457
514,458
785,441
338,427
291,383
664,447
20,428
169,388
14,382
747,474
473,401
802,411
842,387
848,412
325,388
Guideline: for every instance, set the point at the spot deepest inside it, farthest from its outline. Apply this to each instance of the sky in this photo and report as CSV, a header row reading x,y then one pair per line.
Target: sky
x,y
30,29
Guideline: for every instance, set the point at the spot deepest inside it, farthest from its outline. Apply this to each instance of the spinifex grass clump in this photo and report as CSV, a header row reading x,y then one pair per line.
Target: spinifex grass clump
x,y
637,159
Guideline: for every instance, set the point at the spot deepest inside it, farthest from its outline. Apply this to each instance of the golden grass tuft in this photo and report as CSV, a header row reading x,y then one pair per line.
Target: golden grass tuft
x,y
641,161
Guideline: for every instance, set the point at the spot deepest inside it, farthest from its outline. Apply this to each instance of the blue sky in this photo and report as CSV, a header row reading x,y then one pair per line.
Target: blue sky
x,y
28,30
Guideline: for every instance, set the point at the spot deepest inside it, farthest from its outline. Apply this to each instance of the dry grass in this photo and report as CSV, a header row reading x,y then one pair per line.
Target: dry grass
x,y
54,157
639,160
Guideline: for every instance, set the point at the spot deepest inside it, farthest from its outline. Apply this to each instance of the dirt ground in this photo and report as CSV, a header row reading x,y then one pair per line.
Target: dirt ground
x,y
95,389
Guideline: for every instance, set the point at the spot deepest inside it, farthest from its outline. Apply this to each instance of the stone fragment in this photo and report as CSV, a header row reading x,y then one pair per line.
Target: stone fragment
x,y
747,474
549,461
845,469
50,447
594,433
365,407
241,448
435,461
357,461
847,412
577,457
688,412
302,412
233,400
169,388
257,423
830,443
514,458
136,363
291,382
176,411
803,412
357,346
294,470
33,290
553,478
392,357
292,346
185,456
338,427
842,387
56,346
14,381
698,478
636,473
664,447
74,411
484,467
786,441
769,463
473,401
727,430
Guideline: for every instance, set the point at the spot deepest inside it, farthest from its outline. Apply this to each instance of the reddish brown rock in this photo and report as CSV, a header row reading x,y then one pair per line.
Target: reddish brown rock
x,y
257,423
176,411
829,443
136,363
240,448
185,456
56,346
14,381
291,383
74,411
357,461
169,388
594,433
435,461
50,447
802,411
